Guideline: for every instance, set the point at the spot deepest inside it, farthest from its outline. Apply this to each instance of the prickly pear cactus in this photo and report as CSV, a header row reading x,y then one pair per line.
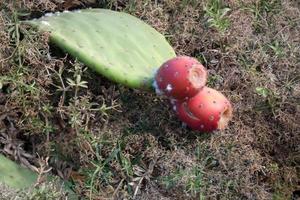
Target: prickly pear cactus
x,y
117,45
18,178
14,175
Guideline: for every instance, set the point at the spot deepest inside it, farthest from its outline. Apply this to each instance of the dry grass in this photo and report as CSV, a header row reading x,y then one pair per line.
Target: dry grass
x,y
130,144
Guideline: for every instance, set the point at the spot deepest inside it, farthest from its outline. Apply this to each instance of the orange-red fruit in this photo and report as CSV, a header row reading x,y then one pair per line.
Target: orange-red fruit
x,y
209,110
186,116
181,77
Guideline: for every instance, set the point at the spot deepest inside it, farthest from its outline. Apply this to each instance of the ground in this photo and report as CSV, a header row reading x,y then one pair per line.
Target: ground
x,y
118,143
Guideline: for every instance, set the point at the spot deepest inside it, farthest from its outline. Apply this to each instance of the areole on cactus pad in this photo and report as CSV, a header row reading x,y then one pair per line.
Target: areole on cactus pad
x,y
117,45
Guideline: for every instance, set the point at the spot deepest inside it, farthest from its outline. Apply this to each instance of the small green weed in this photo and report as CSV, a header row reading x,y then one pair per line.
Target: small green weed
x,y
213,80
195,183
131,6
201,57
108,167
263,7
277,49
216,14
261,10
271,100
264,92
76,82
171,180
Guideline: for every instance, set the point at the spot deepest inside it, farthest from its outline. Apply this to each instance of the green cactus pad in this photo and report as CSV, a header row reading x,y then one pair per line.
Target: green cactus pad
x,y
115,44
14,175
18,177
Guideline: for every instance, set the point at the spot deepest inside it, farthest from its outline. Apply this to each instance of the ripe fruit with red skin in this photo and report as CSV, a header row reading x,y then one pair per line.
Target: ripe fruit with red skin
x,y
181,77
209,110
187,117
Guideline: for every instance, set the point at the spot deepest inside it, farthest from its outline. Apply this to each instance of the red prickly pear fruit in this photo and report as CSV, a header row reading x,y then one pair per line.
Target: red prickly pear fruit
x,y
181,77
210,107
186,116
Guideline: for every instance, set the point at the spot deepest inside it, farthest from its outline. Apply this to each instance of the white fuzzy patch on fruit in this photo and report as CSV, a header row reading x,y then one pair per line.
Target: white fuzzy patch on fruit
x,y
169,88
157,90
45,23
